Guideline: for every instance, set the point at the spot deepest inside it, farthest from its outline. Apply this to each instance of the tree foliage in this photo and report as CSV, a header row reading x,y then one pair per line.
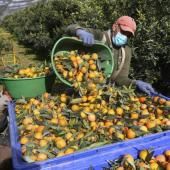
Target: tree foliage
x,y
41,25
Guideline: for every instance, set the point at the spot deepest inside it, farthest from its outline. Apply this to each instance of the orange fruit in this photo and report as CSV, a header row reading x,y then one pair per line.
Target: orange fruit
x,y
80,135
143,106
29,127
21,72
79,78
86,57
154,166
91,75
142,99
144,112
130,134
84,69
94,56
86,109
39,128
155,99
36,112
68,135
73,58
75,64
70,74
128,159
24,140
84,98
119,135
27,120
150,124
159,111
112,130
167,153
41,157
33,158
134,115
36,102
162,101
79,60
60,143
63,98
143,154
160,158
51,104
144,128
54,121
69,151
60,153
46,95
111,112
91,117
62,121
93,67
38,135
91,61
91,86
108,124
83,114
119,111
43,142
75,108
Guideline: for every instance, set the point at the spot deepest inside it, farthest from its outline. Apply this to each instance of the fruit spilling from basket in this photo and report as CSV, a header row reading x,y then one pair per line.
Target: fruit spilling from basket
x,y
32,71
145,160
80,69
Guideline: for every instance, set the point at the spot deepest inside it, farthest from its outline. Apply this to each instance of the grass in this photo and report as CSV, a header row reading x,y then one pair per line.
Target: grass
x,y
10,47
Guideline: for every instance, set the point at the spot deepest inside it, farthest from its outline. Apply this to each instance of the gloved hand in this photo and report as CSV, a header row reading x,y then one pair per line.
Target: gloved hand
x,y
145,87
86,37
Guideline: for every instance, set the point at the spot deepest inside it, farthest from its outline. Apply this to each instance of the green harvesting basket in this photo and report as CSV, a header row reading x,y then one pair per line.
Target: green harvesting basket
x,y
28,87
66,44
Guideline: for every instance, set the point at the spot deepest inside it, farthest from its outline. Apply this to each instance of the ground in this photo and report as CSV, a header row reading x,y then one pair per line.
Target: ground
x,y
5,151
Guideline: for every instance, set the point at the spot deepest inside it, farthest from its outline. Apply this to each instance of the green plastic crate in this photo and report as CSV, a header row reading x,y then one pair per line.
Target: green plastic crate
x,y
66,44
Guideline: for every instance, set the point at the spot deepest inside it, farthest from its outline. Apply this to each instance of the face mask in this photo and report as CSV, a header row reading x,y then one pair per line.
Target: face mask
x,y
119,39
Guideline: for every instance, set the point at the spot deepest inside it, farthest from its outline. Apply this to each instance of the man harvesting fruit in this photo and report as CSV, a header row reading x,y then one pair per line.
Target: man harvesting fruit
x,y
116,38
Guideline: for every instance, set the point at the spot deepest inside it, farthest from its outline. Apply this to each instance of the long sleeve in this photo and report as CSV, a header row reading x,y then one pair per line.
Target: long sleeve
x,y
123,78
71,30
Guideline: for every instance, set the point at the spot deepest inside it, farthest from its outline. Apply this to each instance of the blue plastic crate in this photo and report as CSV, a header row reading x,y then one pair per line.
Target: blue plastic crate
x,y
95,158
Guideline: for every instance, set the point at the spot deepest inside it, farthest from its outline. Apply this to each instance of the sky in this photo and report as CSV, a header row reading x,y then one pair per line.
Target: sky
x,y
10,6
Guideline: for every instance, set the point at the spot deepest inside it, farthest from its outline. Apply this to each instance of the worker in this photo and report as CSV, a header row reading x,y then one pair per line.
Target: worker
x,y
116,38
4,100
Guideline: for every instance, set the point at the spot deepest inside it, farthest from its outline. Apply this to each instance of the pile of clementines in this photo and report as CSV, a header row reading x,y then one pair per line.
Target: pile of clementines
x,y
80,68
144,161
32,71
61,124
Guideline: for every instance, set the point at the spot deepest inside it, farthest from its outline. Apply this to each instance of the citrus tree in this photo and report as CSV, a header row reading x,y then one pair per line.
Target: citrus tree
x,y
40,26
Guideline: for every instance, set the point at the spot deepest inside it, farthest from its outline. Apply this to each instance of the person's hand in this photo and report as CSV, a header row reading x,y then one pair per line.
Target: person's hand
x,y
145,87
86,37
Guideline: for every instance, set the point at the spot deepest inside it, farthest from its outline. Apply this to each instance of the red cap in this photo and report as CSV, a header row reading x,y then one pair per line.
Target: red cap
x,y
127,24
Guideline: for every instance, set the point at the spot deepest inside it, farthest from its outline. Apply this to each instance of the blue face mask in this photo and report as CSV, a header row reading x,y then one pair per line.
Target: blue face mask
x,y
119,39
